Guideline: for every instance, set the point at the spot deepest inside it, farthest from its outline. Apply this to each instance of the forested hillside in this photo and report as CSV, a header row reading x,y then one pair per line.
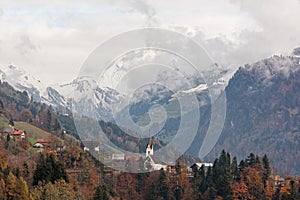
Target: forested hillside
x,y
17,105
263,116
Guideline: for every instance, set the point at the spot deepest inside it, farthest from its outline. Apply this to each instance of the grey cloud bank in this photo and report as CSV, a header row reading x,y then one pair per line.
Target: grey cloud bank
x,y
52,40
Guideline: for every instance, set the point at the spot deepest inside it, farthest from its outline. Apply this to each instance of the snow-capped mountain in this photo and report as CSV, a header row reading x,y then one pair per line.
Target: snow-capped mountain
x,y
86,97
65,95
21,80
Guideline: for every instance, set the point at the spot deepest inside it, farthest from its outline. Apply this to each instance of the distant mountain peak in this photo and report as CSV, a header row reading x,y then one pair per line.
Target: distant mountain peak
x,y
268,68
296,52
101,95
11,66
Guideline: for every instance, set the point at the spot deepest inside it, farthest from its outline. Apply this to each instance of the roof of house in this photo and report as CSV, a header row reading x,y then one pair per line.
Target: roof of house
x,y
7,130
155,159
17,132
200,164
277,178
42,141
132,157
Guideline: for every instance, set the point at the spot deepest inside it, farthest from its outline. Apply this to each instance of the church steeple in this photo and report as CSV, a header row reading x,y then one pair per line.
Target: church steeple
x,y
149,148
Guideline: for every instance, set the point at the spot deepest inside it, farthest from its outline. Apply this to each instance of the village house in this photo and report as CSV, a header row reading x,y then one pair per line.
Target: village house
x,y
41,143
86,149
18,134
5,132
15,134
278,181
198,165
61,148
38,145
91,145
119,156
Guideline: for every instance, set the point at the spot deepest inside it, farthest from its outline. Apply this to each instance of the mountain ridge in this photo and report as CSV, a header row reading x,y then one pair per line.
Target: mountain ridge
x,y
263,101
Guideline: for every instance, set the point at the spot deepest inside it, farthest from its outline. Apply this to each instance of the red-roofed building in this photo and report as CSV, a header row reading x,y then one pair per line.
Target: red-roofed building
x,y
132,157
42,141
18,134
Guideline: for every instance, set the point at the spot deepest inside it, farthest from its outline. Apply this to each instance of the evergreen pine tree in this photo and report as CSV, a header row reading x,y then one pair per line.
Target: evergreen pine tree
x,y
222,176
7,142
177,193
163,189
211,194
203,186
11,122
49,170
195,172
234,169
202,172
242,165
251,159
153,191
257,160
49,120
209,177
267,168
100,193
8,138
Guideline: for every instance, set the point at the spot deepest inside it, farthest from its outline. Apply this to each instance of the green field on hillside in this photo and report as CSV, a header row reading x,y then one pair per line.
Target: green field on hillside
x,y
3,122
34,133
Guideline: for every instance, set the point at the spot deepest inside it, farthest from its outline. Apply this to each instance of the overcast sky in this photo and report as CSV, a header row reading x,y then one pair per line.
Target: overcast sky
x,y
52,40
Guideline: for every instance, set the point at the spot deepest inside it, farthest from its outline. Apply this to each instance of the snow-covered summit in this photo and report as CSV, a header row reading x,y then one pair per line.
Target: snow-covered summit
x,y
86,95
22,81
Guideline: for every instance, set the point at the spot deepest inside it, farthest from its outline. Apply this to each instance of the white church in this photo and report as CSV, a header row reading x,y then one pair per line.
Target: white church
x,y
152,162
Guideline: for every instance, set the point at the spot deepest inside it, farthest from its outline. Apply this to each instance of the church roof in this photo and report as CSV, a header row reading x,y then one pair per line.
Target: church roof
x,y
155,159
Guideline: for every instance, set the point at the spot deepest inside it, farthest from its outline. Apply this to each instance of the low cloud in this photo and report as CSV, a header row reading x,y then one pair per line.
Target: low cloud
x,y
279,32
142,7
55,36
25,46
